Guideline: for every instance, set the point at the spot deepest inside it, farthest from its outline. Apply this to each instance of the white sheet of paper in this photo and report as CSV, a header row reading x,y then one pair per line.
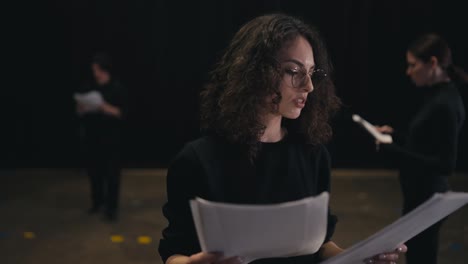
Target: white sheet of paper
x,y
439,206
261,231
91,101
384,138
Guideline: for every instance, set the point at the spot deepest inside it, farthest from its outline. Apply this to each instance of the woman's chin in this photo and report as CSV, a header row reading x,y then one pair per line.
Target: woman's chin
x,y
293,114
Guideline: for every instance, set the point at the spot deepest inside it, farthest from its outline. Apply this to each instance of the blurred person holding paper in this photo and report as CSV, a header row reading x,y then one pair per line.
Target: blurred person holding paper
x,y
265,115
101,106
428,156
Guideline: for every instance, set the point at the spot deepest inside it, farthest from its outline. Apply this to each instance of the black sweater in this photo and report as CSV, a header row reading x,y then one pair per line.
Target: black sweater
x,y
215,170
100,127
429,154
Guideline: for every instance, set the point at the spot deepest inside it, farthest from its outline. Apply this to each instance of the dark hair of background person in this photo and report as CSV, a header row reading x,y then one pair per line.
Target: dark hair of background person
x,y
428,45
104,60
248,73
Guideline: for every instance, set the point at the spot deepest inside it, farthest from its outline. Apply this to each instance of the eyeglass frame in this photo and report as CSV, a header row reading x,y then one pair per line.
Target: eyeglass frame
x,y
303,71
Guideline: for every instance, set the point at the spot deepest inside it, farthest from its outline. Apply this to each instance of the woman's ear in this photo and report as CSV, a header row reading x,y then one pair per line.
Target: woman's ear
x,y
434,62
274,101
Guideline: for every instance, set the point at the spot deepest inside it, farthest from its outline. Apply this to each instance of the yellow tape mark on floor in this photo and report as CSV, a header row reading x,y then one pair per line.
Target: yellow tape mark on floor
x,y
29,235
144,240
117,239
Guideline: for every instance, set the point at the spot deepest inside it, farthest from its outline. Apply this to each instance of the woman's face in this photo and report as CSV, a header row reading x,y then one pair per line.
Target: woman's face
x,y
101,76
297,66
420,73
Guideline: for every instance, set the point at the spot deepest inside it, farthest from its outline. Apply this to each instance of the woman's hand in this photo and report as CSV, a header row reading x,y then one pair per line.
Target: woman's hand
x,y
204,258
384,129
110,109
212,258
387,257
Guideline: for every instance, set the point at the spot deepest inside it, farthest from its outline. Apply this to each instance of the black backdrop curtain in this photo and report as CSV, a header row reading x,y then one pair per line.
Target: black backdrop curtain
x,y
163,51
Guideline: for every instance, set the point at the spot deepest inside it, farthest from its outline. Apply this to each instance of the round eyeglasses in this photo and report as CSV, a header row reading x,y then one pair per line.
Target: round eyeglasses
x,y
300,76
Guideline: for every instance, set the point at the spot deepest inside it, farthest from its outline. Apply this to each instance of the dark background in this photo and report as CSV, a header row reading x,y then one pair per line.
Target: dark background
x,y
163,51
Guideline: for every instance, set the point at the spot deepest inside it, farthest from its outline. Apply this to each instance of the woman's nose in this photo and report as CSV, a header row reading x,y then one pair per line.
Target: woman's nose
x,y
408,71
309,86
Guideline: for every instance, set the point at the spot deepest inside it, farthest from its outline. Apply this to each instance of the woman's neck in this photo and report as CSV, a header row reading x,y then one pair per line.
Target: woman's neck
x,y
273,130
440,76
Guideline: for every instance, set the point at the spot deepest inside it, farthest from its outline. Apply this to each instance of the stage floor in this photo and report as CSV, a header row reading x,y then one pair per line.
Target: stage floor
x,y
43,216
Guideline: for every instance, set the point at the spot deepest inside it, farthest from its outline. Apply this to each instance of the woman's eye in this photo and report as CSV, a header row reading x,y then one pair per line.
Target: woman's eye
x,y
291,71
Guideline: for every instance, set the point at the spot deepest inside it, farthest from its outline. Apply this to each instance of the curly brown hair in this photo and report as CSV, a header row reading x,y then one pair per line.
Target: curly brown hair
x,y
248,73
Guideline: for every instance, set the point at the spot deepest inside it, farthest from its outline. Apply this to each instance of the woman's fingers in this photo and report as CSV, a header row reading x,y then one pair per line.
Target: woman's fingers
x,y
387,129
204,258
372,261
401,248
388,257
384,129
213,258
383,258
232,260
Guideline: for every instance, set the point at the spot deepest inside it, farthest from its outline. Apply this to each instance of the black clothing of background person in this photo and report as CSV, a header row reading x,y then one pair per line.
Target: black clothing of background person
x,y
428,158
102,135
213,169
429,154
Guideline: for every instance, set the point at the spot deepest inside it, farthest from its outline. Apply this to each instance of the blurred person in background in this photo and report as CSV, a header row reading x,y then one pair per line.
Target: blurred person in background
x,y
427,155
102,133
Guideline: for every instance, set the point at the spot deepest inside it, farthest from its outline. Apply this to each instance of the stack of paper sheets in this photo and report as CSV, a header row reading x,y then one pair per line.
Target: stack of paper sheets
x,y
299,228
384,138
400,231
90,101
262,231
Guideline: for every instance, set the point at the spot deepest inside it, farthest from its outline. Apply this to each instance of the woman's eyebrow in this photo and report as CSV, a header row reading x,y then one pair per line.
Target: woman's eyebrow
x,y
298,63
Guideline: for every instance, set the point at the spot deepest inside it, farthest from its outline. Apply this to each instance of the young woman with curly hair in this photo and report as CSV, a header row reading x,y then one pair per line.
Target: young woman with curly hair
x,y
266,115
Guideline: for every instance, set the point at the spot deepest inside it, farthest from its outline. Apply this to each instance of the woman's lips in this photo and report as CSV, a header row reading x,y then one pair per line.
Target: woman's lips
x,y
300,102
